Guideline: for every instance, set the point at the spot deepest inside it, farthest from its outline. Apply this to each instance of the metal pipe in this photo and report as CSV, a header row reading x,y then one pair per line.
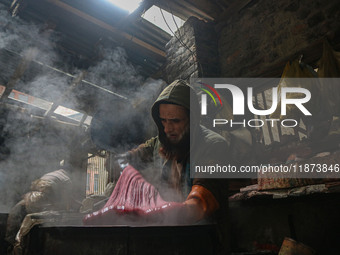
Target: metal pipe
x,y
73,76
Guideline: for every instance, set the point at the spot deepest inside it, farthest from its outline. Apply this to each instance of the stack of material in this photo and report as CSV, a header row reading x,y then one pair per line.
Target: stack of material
x,y
308,172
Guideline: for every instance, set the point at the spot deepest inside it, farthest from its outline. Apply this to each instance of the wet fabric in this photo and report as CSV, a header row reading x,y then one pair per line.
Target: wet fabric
x,y
134,200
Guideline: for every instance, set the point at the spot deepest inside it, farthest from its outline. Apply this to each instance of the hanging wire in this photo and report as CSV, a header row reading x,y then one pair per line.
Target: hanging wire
x,y
194,56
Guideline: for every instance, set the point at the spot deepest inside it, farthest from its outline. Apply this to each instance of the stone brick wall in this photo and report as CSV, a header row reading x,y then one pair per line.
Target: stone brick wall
x,y
192,52
258,39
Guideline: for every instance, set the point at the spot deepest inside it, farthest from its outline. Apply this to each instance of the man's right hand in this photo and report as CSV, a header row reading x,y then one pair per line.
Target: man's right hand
x,y
120,161
115,164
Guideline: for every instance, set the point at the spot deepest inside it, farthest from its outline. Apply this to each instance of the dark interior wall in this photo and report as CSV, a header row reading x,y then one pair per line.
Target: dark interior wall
x,y
259,38
263,223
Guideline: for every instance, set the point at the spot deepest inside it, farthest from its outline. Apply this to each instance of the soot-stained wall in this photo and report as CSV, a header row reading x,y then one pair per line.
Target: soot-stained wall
x,y
258,39
253,40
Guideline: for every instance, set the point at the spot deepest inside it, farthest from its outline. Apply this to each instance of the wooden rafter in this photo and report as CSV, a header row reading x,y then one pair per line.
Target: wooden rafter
x,y
117,32
184,9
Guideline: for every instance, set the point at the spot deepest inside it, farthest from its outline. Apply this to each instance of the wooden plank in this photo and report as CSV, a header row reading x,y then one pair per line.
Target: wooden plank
x,y
125,36
191,7
199,5
183,10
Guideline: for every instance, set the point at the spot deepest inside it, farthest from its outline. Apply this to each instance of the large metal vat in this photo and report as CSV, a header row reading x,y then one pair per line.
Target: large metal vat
x,y
123,240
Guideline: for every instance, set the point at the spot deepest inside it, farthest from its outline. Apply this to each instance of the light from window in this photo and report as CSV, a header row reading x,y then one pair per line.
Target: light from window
x,y
127,5
154,15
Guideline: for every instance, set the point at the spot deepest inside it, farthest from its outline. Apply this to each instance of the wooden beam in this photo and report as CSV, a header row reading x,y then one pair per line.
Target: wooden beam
x,y
183,9
192,6
123,35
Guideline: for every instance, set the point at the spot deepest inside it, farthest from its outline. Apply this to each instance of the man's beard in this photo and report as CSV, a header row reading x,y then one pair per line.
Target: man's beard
x,y
177,150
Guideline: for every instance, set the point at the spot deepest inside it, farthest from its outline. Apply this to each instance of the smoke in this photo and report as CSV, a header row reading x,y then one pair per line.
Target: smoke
x,y
121,123
114,72
31,146
19,36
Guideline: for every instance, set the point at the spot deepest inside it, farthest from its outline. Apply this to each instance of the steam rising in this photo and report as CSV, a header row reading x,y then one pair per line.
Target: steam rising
x,y
24,156
31,146
114,71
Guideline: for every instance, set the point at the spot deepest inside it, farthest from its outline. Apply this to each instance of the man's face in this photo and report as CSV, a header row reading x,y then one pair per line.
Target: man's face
x,y
175,121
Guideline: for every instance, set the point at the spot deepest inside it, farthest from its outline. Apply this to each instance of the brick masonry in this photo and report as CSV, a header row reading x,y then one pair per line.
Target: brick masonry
x,y
192,52
254,41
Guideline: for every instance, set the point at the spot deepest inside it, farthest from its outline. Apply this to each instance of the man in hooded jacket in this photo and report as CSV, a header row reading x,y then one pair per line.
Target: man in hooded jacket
x,y
176,114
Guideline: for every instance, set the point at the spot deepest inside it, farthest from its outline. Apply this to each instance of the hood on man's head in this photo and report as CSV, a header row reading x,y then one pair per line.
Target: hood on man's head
x,y
178,92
